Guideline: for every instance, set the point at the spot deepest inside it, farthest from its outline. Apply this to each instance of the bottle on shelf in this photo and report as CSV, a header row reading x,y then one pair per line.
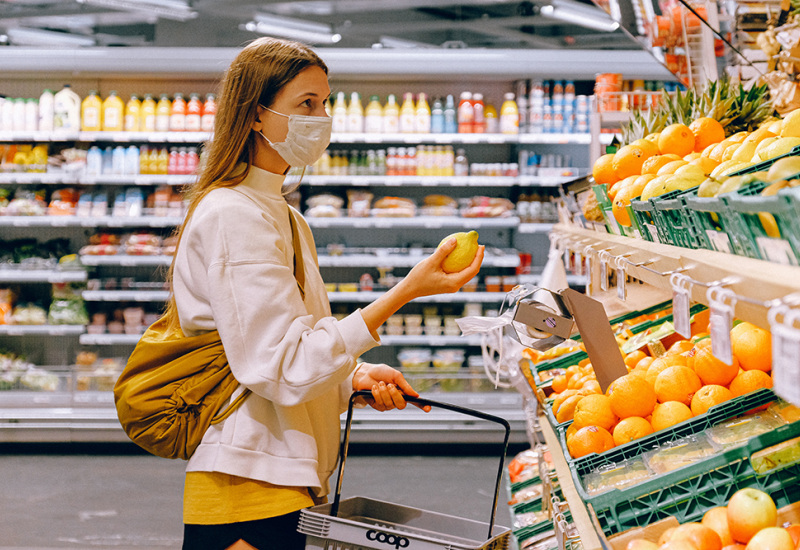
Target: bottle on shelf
x,y
437,117
147,114
46,111
339,116
407,114
118,161
31,114
391,116
177,116
466,113
373,119
194,113
461,164
91,113
113,113
478,114
162,161
18,120
355,115
450,120
422,120
163,112
133,114
66,110
144,160
509,115
522,114
490,122
209,113
7,114
192,160
131,161
94,161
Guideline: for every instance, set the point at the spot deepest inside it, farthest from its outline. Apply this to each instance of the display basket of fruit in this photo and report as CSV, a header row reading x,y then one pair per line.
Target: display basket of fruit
x,y
644,218
689,491
673,223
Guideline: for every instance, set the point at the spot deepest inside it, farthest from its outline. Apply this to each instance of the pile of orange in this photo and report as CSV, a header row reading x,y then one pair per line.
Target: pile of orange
x,y
658,392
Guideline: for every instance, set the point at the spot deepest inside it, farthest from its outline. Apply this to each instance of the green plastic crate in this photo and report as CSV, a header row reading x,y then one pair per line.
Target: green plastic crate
x,y
604,202
673,223
687,493
782,249
792,195
714,415
643,214
765,164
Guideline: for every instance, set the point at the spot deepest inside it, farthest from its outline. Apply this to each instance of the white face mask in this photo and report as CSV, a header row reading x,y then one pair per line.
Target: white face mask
x,y
306,140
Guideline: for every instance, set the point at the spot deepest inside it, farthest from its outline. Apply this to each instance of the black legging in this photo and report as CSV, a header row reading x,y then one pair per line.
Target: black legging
x,y
278,533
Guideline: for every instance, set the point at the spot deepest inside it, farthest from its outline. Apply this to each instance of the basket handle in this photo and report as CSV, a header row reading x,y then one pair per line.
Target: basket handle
x,y
422,402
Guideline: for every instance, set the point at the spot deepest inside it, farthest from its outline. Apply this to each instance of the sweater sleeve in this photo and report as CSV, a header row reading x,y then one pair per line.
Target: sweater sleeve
x,y
274,346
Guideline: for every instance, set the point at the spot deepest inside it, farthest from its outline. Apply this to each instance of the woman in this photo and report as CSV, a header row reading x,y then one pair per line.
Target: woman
x,y
246,266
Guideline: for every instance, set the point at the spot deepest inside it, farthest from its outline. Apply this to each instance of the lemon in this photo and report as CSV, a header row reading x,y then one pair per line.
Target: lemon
x,y
691,170
761,149
670,167
682,183
462,255
708,188
727,154
780,147
656,186
745,152
758,135
790,125
784,168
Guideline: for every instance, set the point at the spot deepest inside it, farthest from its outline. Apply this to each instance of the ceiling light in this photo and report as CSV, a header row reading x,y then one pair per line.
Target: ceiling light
x,y
595,19
167,9
296,29
22,36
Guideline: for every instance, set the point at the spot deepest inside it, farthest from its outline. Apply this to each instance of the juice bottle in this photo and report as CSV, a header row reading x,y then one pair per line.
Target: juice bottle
x,y
422,121
133,110
46,111
144,160
113,113
66,110
152,161
437,117
491,124
373,119
339,122
162,161
355,115
194,113
177,117
450,120
147,114
91,113
163,112
209,112
466,114
391,116
509,115
479,124
408,114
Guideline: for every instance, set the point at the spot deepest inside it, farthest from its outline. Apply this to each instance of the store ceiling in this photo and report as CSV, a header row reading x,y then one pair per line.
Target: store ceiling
x,y
359,23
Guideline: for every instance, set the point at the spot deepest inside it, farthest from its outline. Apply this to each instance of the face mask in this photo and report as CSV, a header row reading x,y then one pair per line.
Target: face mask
x,y
306,140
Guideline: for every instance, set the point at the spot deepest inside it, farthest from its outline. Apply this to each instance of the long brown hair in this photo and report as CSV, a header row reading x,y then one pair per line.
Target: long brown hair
x,y
254,78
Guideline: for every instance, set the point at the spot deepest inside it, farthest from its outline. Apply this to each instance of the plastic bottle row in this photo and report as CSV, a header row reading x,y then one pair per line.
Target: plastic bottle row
x,y
135,160
66,111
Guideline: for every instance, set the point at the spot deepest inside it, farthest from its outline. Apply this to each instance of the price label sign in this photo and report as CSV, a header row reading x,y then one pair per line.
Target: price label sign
x,y
590,263
721,302
784,323
604,257
681,288
622,282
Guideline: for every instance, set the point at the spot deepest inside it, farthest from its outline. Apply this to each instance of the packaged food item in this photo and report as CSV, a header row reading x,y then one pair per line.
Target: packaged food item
x,y
29,314
677,454
775,457
67,306
786,411
487,207
526,494
359,203
394,207
439,205
616,476
415,360
324,206
738,431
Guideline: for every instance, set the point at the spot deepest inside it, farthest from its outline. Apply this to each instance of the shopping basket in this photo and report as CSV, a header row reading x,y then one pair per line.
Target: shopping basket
x,y
360,523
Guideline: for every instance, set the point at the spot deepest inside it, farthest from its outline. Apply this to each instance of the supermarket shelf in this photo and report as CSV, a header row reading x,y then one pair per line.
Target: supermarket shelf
x,y
30,178
577,139
407,260
96,221
41,330
456,298
41,276
125,295
125,260
756,282
426,222
535,227
437,181
109,339
428,340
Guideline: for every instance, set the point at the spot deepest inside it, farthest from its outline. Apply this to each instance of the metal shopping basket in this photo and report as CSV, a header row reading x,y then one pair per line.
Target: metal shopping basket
x,y
360,523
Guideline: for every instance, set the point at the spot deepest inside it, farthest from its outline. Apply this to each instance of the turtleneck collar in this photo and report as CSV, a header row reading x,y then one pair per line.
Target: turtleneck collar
x,y
264,182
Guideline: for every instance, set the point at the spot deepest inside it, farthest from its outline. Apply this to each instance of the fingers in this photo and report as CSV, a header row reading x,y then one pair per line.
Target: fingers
x,y
442,251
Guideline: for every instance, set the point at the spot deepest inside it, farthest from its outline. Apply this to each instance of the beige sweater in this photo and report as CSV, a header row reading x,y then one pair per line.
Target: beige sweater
x,y
234,273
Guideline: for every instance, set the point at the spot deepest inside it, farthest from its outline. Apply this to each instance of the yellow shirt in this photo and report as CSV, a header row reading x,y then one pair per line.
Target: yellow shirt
x,y
213,498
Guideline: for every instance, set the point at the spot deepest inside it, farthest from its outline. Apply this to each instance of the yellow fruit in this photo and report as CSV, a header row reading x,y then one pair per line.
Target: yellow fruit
x,y
758,135
655,187
654,163
779,147
790,125
603,170
784,168
628,161
708,188
682,183
738,137
706,131
744,152
727,168
775,127
707,151
650,148
719,149
691,156
462,255
727,154
676,138
670,167
705,163
691,171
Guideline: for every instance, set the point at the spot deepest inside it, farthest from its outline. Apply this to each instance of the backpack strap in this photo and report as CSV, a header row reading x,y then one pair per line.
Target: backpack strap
x,y
299,266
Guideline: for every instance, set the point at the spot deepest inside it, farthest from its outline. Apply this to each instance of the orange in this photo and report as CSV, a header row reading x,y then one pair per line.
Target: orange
x,y
702,537
631,428
592,386
752,346
661,363
668,414
559,383
590,439
567,409
618,186
628,161
709,396
572,370
706,131
748,381
561,398
705,163
677,139
681,346
645,363
594,410
677,384
710,369
654,163
603,171
634,357
621,201
631,395
650,147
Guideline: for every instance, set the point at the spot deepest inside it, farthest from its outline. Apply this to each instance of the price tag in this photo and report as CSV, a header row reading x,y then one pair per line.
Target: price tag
x,y
721,302
622,280
776,250
604,256
579,266
719,241
784,323
588,254
681,288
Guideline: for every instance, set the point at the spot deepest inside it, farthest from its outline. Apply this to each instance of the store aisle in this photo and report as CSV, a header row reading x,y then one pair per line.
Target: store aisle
x,y
124,501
